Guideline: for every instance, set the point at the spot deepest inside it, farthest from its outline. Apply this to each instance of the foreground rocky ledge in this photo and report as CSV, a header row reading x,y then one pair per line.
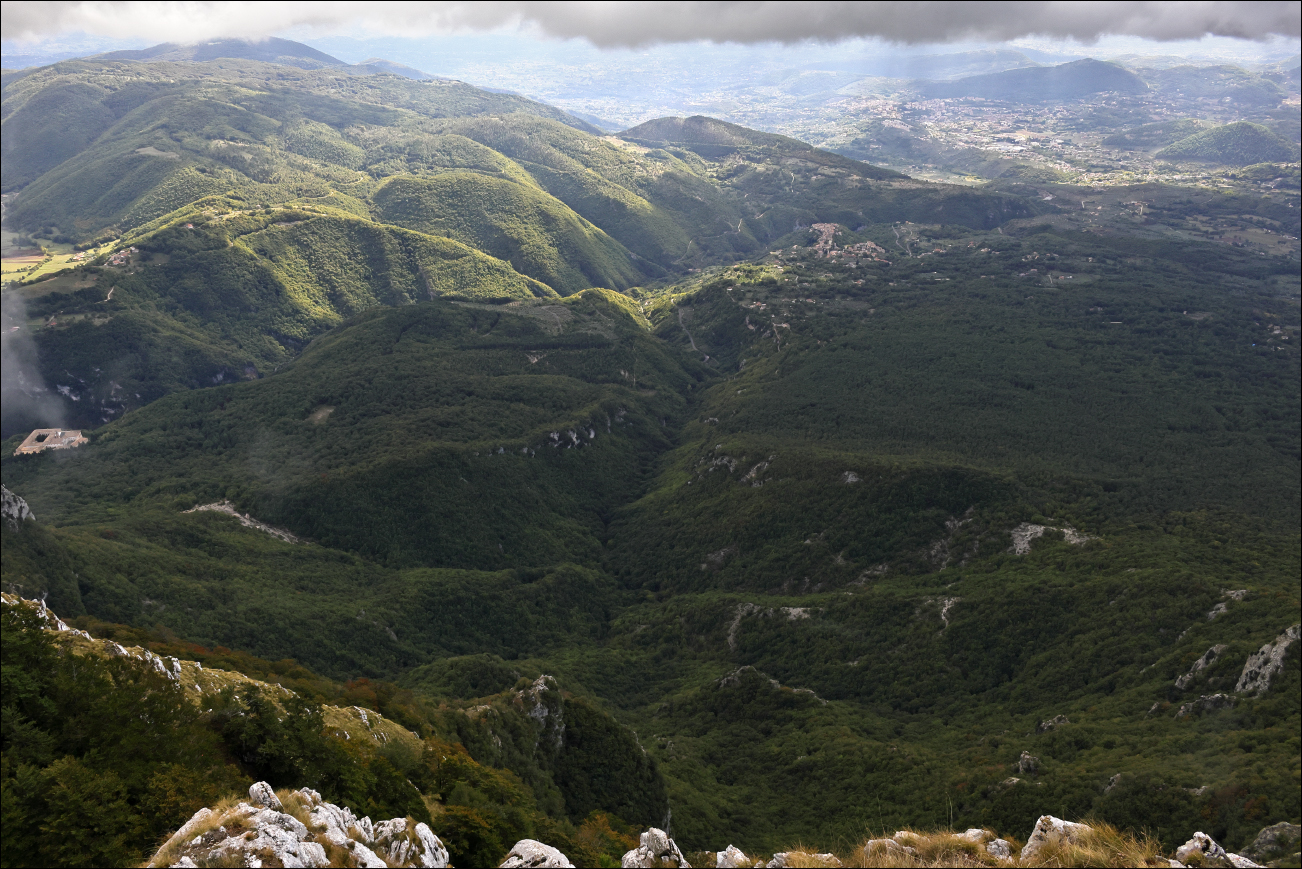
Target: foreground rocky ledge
x,y
299,829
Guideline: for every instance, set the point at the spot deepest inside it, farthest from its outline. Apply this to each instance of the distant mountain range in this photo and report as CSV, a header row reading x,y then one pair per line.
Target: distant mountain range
x,y
1038,83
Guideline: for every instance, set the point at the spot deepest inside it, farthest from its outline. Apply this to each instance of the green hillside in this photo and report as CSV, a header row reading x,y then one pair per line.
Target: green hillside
x,y
774,534
1238,144
1149,136
515,222
1065,81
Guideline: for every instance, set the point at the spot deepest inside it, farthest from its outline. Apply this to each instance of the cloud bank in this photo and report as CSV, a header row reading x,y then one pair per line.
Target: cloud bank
x,y
631,25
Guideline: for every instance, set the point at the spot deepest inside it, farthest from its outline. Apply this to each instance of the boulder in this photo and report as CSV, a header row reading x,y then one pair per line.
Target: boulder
x,y
1273,842
1000,849
1052,831
261,794
398,843
532,854
974,834
1202,850
886,846
732,858
655,848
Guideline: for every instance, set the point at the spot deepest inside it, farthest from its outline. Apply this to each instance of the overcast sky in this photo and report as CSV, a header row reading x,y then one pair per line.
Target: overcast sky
x,y
633,24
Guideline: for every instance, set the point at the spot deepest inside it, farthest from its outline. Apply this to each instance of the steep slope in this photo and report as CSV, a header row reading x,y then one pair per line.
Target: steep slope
x,y
538,234
1039,83
219,292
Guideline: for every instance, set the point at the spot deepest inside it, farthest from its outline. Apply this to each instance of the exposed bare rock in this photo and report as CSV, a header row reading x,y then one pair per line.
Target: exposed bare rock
x,y
227,508
542,702
1209,657
1205,703
532,854
1051,831
1264,663
1274,842
655,848
1028,764
878,847
261,794
1028,532
1202,850
732,858
14,509
1000,849
263,831
1052,723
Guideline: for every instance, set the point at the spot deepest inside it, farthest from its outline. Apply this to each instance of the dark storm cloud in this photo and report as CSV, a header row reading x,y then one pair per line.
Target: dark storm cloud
x,y
638,24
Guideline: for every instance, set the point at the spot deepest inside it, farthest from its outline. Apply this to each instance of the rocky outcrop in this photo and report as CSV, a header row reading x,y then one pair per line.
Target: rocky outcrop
x,y
655,848
1028,532
732,857
1052,723
1050,831
1208,658
14,509
1264,663
1204,851
788,859
1276,844
1205,703
1028,764
532,854
228,509
301,831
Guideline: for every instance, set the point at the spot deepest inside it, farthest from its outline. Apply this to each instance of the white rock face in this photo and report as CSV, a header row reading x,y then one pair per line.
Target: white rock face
x,y
655,848
1209,657
1264,663
261,794
732,858
1050,831
261,830
1000,849
785,859
532,854
1204,849
14,509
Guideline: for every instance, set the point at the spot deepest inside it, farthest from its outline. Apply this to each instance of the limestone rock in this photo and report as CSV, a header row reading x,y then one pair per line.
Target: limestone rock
x,y
1205,703
1209,657
261,831
1202,850
1242,862
531,854
732,858
261,794
14,509
973,834
1000,849
1051,723
1028,764
1264,663
1275,841
655,848
400,844
1052,831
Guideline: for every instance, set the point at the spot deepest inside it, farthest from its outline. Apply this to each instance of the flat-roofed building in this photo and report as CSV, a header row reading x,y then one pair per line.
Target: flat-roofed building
x,y
50,439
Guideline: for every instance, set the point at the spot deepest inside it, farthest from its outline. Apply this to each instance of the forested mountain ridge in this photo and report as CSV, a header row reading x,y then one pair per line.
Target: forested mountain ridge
x,y
849,495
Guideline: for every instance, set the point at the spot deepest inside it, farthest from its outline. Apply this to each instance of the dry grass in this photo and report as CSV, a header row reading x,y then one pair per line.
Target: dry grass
x,y
1103,846
171,850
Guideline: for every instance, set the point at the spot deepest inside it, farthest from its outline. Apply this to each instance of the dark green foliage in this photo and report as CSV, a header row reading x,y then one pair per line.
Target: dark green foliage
x,y
1239,144
520,224
601,766
99,757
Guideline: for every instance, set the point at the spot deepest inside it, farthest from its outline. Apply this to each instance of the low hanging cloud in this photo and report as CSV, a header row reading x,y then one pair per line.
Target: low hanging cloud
x,y
629,25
